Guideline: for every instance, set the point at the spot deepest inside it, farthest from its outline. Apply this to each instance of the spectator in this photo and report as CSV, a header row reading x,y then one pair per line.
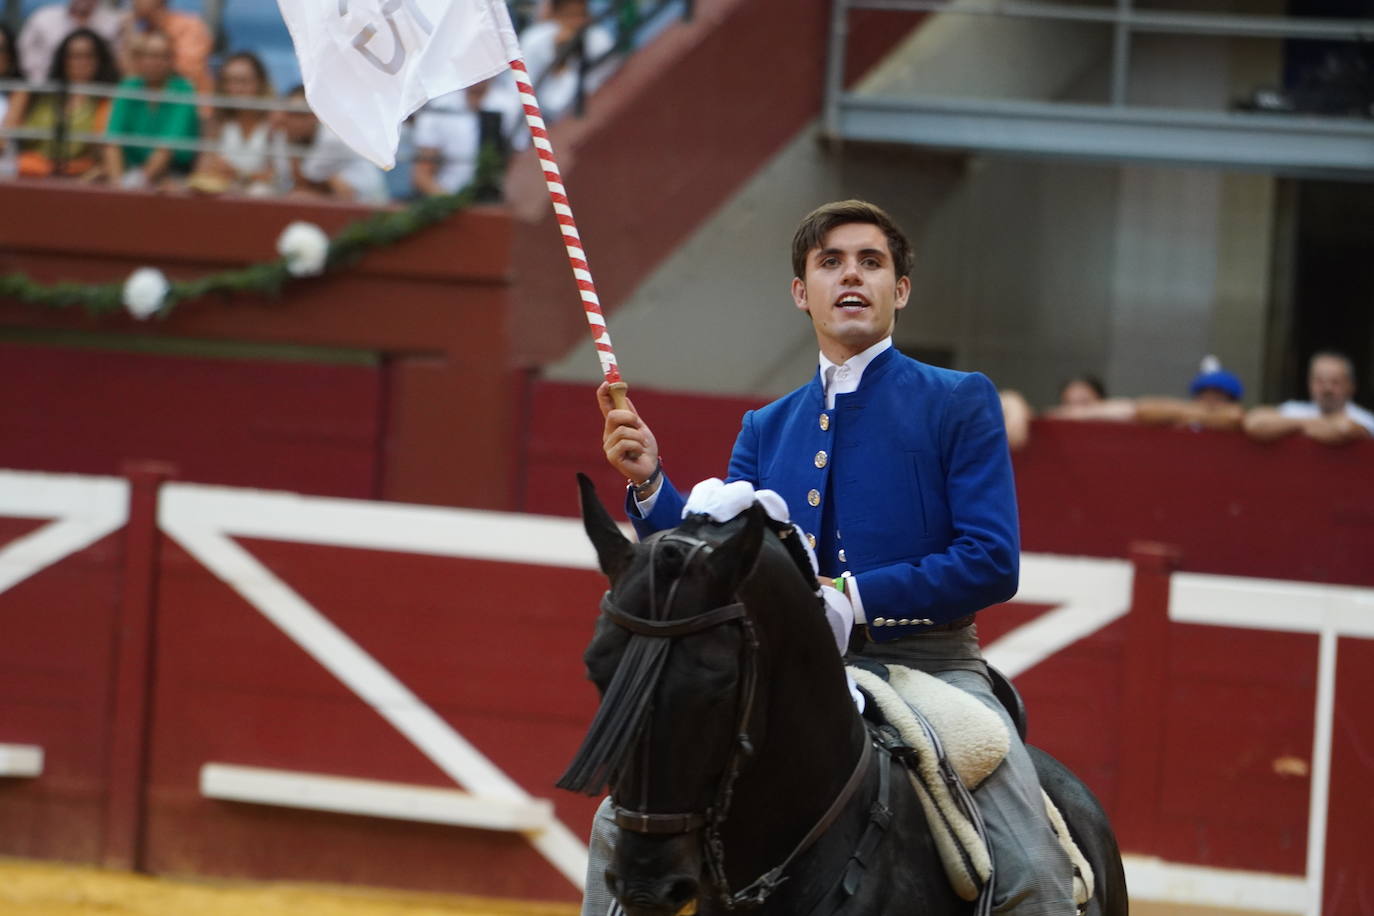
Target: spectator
x,y
328,167
1084,397
1215,395
1331,416
449,139
1017,414
243,160
191,40
557,50
48,25
9,70
1214,402
143,166
82,57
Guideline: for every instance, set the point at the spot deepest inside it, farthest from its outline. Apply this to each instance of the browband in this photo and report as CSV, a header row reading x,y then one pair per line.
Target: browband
x,y
671,628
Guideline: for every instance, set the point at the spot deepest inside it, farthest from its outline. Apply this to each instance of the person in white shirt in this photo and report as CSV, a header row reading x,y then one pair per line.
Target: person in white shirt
x,y
450,134
48,25
556,51
328,167
1331,416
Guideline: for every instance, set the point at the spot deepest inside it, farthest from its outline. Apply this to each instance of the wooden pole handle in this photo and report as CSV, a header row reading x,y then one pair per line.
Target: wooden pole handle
x,y
620,395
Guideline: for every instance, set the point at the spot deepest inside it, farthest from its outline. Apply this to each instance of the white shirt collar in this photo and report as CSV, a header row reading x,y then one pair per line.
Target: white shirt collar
x,y
844,378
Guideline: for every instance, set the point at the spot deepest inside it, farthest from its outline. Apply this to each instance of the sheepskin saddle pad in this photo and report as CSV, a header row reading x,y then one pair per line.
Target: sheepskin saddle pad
x,y
974,739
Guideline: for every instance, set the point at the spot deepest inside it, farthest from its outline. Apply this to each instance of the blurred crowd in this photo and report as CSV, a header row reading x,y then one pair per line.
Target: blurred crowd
x,y
158,62
1215,401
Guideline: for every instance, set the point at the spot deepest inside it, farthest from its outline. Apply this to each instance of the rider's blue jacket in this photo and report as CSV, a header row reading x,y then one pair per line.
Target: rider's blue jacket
x,y
914,472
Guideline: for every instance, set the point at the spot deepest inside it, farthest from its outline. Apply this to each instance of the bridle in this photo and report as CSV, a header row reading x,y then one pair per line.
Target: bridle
x,y
712,819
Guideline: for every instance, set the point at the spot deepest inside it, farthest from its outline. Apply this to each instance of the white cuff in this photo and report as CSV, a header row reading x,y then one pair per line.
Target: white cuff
x,y
645,506
851,589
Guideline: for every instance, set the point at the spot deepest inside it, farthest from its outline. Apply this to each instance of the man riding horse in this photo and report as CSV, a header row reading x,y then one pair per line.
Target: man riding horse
x,y
899,474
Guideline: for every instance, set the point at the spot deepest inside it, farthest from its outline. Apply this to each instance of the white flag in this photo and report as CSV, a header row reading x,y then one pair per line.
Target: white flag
x,y
368,64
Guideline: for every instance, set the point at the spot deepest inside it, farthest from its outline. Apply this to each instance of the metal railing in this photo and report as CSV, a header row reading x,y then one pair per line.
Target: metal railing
x,y
1116,128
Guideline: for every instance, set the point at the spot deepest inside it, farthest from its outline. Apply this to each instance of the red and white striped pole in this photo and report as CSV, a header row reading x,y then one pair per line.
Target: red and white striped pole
x,y
572,241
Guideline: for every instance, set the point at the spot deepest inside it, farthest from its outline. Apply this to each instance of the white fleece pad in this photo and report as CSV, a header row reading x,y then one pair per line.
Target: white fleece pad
x,y
975,740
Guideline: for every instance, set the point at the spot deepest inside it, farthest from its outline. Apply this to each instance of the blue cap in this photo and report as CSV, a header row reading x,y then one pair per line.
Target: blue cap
x,y
1223,381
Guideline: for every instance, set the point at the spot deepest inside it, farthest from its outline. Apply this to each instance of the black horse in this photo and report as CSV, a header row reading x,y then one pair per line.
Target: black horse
x,y
742,775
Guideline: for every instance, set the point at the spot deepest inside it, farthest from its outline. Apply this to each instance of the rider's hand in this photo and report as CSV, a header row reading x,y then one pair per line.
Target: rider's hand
x,y
628,442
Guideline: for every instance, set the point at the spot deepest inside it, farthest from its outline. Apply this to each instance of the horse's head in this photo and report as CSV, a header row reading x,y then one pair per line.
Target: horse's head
x,y
676,658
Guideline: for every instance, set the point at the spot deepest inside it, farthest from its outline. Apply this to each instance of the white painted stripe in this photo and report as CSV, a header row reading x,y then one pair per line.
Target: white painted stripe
x,y
370,797
87,509
562,209
21,760
362,674
589,296
1090,593
1169,882
437,531
570,231
1321,770
550,166
575,251
1271,604
596,318
541,143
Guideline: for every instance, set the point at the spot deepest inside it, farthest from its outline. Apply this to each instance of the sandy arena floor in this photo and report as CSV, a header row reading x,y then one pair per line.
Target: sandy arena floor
x,y
42,889
30,888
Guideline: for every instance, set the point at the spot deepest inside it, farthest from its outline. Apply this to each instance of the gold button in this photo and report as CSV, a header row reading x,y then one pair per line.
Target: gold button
x,y
880,622
825,422
843,558
904,622
813,498
821,458
811,540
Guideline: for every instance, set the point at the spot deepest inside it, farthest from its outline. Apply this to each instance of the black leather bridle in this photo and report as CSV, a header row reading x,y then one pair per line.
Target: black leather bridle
x,y
711,820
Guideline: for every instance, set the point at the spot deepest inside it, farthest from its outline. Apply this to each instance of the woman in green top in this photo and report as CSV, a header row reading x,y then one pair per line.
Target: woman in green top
x,y
83,57
141,166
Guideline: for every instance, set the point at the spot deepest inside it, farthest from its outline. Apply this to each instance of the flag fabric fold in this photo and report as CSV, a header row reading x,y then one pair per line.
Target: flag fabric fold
x,y
367,65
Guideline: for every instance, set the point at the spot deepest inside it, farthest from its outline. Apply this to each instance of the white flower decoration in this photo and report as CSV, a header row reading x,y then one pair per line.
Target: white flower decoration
x,y
144,292
305,247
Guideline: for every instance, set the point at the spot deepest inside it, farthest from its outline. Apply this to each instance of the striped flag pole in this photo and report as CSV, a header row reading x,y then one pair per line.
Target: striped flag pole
x,y
572,241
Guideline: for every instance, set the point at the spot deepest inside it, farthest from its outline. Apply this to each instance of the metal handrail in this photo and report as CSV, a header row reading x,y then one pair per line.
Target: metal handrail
x,y
115,91
1238,25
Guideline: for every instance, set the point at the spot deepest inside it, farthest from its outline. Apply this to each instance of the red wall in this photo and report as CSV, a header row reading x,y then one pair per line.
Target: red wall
x,y
1292,509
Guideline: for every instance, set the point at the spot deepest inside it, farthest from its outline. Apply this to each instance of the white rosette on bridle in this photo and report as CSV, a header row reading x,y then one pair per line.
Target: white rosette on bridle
x,y
144,292
305,248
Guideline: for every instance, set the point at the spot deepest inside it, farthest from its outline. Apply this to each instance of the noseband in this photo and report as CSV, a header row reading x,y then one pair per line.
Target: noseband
x,y
641,821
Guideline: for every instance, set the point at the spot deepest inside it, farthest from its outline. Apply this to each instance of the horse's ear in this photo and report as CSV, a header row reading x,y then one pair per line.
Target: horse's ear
x,y
734,559
612,548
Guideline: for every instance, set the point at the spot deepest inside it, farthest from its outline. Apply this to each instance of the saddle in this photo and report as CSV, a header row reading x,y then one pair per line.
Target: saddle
x,y
950,742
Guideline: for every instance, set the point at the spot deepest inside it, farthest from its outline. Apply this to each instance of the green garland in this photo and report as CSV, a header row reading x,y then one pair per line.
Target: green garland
x,y
268,277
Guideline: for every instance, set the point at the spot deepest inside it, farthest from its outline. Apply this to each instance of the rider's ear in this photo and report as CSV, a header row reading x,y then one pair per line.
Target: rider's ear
x,y
734,559
613,549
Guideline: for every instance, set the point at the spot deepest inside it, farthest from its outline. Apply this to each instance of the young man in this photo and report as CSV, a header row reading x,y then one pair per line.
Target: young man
x,y
900,475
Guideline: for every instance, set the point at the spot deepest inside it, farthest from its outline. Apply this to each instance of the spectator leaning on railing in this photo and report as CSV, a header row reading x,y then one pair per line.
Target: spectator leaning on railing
x,y
191,40
1331,416
450,135
243,160
83,57
9,66
328,168
144,166
48,25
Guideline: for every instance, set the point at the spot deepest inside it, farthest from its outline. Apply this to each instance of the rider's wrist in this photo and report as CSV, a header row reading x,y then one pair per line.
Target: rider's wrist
x,y
649,486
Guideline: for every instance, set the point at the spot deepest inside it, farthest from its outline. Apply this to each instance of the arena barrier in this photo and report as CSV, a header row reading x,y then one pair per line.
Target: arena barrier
x,y
257,684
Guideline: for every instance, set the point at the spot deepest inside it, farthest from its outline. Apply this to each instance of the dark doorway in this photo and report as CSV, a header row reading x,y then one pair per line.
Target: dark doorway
x,y
1332,294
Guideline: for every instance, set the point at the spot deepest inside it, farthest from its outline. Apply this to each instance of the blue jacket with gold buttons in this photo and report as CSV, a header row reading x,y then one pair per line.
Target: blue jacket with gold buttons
x,y
916,468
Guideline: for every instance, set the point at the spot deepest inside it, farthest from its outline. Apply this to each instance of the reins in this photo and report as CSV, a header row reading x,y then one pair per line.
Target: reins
x,y
660,632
